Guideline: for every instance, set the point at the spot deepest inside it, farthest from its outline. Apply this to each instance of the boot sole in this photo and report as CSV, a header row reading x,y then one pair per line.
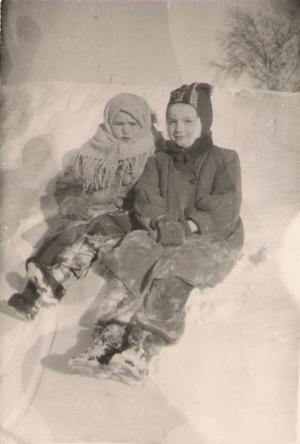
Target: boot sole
x,y
113,372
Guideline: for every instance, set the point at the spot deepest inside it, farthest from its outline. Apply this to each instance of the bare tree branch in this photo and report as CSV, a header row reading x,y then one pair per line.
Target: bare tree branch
x,y
264,47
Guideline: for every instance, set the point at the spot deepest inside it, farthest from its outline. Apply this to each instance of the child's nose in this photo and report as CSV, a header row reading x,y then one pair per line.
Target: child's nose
x,y
179,127
126,128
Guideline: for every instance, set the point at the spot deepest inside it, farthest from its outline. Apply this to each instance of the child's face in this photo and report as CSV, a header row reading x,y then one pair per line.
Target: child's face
x,y
125,127
183,124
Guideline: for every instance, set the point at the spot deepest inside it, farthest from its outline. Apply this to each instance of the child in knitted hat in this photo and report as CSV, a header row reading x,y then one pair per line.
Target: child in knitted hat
x,y
94,201
188,200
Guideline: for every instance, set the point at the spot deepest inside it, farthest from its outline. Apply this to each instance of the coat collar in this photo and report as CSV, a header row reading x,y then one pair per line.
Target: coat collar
x,y
181,155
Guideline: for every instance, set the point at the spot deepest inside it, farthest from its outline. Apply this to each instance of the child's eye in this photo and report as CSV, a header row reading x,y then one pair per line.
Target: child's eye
x,y
133,124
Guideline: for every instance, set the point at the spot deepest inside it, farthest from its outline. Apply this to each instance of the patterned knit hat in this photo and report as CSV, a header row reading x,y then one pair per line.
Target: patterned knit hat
x,y
198,96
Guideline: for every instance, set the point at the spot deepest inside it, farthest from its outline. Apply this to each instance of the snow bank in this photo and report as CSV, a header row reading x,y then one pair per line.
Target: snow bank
x,y
234,373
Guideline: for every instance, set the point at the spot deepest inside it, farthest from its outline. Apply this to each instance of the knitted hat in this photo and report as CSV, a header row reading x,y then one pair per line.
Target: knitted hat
x,y
198,96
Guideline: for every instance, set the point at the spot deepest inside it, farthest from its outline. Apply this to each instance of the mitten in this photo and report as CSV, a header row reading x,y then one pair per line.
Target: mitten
x,y
188,212
170,233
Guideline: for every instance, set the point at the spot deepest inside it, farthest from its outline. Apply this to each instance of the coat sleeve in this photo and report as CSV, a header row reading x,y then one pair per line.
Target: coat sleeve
x,y
218,212
67,185
149,204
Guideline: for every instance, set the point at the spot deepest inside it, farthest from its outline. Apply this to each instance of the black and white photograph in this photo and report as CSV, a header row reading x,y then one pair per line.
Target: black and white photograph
x,y
150,222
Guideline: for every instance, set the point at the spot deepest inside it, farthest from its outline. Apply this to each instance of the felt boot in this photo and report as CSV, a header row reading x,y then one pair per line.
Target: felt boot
x,y
132,364
107,340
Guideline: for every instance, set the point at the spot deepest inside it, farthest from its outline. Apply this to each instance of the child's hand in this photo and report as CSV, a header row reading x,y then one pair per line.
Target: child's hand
x,y
75,207
170,232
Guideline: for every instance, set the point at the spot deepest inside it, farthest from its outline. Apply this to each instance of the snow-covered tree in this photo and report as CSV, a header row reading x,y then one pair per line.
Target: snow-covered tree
x,y
265,47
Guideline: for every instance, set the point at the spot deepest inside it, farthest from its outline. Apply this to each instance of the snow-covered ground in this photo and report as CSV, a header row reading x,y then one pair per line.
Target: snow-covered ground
x,y
233,377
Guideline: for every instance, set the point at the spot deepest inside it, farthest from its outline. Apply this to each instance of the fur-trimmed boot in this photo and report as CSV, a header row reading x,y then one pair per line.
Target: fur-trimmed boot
x,y
132,364
107,341
42,289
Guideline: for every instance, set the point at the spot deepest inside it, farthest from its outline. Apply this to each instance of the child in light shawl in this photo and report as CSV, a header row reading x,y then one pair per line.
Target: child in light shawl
x,y
94,199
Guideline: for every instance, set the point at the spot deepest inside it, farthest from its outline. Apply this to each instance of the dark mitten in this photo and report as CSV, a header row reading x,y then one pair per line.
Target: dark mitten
x,y
170,233
188,212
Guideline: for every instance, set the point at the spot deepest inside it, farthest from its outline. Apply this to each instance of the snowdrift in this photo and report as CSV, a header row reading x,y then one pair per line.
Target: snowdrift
x,y
233,376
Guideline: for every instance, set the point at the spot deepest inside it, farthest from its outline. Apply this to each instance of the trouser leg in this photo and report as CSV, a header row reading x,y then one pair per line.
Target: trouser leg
x,y
76,259
163,311
53,247
55,265
72,253
27,302
140,339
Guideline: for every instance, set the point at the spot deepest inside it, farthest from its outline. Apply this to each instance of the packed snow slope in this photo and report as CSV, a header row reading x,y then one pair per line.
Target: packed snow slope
x,y
233,377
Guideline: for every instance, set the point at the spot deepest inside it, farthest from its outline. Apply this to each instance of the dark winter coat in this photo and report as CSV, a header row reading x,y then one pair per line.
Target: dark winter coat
x,y
213,185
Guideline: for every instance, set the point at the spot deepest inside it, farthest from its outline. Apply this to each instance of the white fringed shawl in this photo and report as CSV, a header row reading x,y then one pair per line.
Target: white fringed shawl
x,y
95,165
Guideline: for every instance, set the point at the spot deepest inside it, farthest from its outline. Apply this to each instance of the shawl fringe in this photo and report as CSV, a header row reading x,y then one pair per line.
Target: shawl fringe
x,y
97,174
